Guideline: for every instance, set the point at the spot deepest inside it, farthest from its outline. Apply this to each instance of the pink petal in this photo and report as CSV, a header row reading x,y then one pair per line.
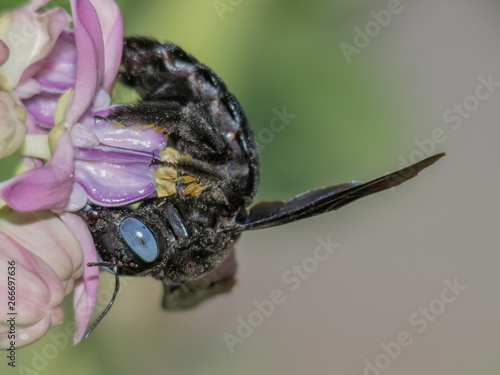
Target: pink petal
x,y
42,108
112,27
33,128
58,72
45,235
27,89
56,20
115,184
78,199
38,33
138,139
40,286
85,292
82,136
101,103
90,62
27,334
4,52
38,296
43,188
116,155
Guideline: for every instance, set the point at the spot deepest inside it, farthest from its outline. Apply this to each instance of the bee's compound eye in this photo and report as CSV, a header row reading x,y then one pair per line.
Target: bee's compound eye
x,y
139,238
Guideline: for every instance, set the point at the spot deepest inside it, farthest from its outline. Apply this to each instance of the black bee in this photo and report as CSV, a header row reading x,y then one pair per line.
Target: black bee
x,y
187,238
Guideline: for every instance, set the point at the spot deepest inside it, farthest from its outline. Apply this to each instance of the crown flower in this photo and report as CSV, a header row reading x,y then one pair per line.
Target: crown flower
x,y
55,86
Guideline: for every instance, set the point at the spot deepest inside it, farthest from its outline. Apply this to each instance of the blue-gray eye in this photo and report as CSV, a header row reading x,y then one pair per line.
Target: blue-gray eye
x,y
139,238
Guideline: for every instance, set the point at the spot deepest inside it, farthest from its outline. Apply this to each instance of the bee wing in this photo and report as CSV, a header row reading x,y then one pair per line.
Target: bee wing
x,y
318,201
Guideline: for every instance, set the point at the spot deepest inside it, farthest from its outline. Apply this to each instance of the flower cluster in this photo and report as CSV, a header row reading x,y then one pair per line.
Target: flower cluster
x,y
55,87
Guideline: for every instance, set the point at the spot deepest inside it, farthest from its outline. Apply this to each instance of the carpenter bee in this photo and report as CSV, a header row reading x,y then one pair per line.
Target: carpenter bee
x,y
187,238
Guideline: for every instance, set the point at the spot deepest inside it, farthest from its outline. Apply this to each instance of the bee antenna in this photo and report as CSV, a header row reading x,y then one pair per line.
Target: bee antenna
x,y
114,267
102,264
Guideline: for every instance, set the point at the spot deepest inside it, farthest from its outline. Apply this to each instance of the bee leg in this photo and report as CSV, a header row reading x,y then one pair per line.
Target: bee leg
x,y
192,293
174,220
203,171
185,123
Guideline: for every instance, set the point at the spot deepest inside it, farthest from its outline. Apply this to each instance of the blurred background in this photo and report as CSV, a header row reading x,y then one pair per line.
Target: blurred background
x,y
372,85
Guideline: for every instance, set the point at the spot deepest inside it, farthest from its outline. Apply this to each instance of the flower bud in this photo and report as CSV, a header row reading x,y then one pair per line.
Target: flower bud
x,y
47,260
12,128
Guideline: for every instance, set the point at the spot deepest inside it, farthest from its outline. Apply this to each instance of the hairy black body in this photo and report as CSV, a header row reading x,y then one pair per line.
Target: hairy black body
x,y
194,234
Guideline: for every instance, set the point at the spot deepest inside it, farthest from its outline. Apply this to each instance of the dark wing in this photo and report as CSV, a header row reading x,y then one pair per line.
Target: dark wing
x,y
318,201
192,293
